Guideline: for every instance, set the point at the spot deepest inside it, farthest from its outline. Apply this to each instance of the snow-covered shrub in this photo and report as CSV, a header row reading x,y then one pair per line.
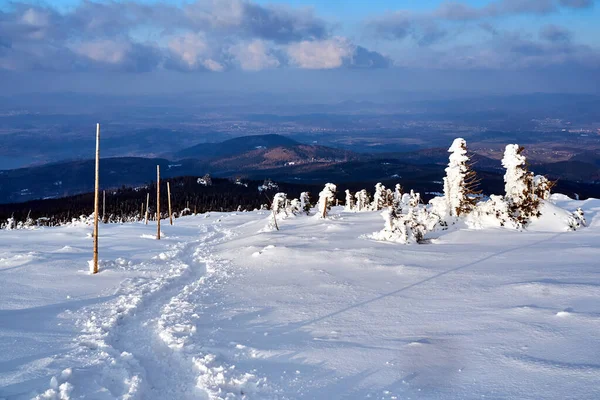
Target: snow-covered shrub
x,y
520,198
397,196
491,213
10,224
294,207
350,204
542,187
402,228
305,202
363,201
326,199
579,216
460,180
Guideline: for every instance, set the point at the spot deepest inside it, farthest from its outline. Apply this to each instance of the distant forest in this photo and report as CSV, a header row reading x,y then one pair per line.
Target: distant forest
x,y
125,204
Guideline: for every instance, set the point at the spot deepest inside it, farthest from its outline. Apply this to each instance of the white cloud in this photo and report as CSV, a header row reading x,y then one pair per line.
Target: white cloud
x,y
104,51
320,54
254,56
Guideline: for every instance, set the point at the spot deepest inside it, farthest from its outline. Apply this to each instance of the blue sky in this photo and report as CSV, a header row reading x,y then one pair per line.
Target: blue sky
x,y
197,38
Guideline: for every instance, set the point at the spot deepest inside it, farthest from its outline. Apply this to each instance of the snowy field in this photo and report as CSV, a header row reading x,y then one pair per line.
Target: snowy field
x,y
218,309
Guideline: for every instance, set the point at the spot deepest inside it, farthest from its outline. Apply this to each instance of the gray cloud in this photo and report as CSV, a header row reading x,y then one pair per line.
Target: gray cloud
x,y
209,35
554,33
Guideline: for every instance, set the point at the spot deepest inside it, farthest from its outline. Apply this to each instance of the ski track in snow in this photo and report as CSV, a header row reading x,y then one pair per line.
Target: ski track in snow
x,y
143,344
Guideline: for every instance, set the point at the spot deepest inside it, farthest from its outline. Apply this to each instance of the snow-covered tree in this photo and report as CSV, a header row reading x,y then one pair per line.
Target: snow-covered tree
x,y
278,206
278,210
460,180
520,197
397,196
363,200
305,202
326,199
350,206
379,198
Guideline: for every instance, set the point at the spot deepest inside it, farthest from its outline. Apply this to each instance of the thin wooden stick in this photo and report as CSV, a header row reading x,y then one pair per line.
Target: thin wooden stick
x,y
96,199
142,211
147,206
169,195
103,205
158,202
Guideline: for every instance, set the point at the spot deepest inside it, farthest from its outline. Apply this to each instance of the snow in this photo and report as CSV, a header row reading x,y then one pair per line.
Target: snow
x,y
219,310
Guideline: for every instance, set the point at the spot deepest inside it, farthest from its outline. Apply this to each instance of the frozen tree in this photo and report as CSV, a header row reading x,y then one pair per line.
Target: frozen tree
x,y
379,198
349,201
326,199
278,209
206,180
542,187
305,202
397,196
278,206
460,180
520,198
363,201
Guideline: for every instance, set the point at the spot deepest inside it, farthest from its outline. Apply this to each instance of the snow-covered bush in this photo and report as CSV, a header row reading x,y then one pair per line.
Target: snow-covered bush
x,y
402,228
294,207
326,199
542,187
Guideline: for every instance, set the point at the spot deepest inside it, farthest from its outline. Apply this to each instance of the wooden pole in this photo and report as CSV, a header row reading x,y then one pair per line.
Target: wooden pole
x,y
147,206
96,199
169,195
158,202
142,211
103,205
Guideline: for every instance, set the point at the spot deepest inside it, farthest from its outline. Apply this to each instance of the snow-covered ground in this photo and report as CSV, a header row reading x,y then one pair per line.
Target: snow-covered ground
x,y
221,308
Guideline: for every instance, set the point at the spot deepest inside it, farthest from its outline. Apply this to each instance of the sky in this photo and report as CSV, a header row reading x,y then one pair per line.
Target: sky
x,y
171,45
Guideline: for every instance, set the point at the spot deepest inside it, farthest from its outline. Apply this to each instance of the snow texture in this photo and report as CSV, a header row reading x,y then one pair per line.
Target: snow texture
x,y
316,310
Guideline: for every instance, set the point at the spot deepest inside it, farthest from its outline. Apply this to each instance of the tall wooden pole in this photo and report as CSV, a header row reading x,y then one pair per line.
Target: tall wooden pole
x,y
147,206
158,202
96,199
169,195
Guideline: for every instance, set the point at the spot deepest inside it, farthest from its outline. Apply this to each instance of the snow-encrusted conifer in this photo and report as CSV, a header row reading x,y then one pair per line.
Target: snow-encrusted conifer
x,y
349,201
326,199
397,196
363,201
305,202
460,180
379,198
520,197
279,204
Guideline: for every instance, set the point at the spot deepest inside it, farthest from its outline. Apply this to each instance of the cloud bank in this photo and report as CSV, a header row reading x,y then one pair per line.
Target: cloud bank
x,y
210,35
224,35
